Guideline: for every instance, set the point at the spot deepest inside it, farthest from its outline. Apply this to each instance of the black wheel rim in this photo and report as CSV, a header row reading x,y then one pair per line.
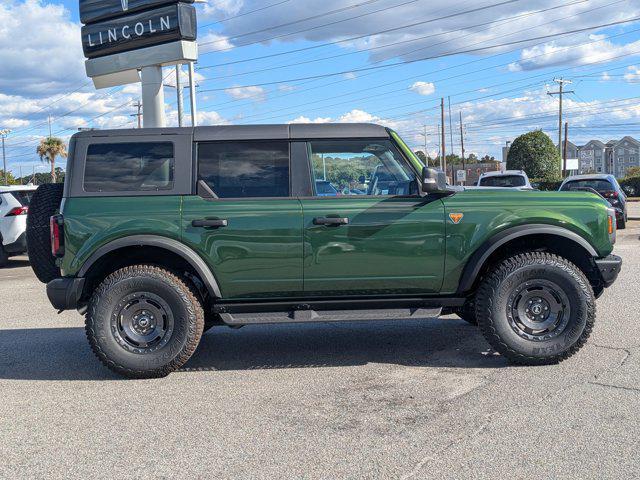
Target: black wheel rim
x,y
538,310
142,322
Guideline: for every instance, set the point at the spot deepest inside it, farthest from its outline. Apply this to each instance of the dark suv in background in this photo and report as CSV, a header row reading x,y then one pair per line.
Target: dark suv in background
x,y
604,184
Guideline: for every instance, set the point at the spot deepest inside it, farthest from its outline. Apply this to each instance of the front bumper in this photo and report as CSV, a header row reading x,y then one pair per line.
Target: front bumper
x,y
64,293
609,268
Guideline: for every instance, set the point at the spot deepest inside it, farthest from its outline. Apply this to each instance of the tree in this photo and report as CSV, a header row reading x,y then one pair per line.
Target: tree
x,y
488,159
535,153
421,155
10,178
48,150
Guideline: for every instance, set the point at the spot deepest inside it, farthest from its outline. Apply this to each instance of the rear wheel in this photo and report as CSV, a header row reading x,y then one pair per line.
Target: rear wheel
x,y
144,321
536,308
45,203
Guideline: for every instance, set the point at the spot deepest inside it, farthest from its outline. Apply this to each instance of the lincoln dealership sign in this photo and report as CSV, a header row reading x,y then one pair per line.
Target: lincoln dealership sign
x,y
121,37
138,30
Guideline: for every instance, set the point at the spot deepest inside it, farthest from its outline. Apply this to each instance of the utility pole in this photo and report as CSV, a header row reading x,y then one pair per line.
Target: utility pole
x,y
49,120
439,145
3,135
560,92
138,105
564,149
443,148
425,134
462,145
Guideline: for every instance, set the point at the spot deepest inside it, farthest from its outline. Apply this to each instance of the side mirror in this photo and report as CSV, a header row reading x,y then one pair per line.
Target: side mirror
x,y
433,181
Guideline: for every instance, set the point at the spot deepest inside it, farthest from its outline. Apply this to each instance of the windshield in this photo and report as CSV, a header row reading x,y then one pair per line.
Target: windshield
x,y
503,181
24,197
599,185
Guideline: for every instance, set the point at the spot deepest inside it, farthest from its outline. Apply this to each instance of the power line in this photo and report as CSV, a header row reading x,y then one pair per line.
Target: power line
x,y
406,62
244,14
313,17
351,39
475,32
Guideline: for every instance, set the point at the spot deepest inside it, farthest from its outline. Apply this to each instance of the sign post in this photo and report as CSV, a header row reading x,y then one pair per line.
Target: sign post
x,y
128,41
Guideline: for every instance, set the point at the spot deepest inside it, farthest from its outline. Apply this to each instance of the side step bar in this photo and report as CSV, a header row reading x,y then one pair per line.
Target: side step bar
x,y
300,316
333,310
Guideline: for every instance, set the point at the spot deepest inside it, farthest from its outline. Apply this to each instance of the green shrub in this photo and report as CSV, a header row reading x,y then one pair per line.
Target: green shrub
x,y
545,184
631,186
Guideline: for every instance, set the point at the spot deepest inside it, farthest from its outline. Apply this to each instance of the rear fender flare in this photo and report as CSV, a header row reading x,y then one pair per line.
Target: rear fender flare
x,y
174,246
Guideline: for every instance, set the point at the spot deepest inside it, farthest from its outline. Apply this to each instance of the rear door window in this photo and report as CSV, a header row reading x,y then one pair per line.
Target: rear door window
x,y
245,169
129,167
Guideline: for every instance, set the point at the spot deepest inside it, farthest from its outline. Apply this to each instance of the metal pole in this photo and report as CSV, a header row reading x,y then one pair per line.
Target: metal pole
x,y
192,95
462,146
179,93
564,150
443,145
152,97
20,168
4,162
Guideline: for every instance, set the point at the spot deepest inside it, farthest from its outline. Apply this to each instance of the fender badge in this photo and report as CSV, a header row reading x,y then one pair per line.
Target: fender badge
x,y
456,217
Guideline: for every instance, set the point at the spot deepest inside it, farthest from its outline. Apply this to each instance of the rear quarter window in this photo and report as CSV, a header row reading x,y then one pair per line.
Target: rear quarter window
x,y
129,167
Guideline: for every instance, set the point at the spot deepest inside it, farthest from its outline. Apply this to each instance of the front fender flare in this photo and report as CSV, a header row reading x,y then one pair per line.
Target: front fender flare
x,y
480,256
174,246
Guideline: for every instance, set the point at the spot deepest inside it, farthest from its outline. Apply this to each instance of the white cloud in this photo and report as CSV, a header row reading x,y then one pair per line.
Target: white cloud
x,y
257,94
423,88
565,53
303,119
633,74
40,49
212,42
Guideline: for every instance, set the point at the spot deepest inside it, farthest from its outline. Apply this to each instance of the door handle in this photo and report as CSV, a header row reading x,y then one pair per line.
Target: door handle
x,y
332,221
210,223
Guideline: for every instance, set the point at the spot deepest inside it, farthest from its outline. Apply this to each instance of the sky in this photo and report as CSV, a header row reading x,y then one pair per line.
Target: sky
x,y
382,61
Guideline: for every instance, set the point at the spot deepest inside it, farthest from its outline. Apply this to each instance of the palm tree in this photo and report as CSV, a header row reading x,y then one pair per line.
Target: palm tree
x,y
49,149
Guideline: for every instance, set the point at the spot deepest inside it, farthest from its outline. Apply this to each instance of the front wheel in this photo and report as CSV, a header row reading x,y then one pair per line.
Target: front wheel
x,y
536,308
144,321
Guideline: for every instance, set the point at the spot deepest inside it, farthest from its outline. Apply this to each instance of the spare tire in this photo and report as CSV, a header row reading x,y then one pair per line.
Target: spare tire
x,y
44,203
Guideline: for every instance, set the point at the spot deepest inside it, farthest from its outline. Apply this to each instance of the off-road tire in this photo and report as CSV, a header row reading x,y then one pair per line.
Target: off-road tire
x,y
468,312
492,308
104,314
4,258
45,203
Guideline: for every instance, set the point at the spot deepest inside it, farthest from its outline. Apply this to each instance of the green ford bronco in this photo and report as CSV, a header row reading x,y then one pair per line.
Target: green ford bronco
x,y
160,234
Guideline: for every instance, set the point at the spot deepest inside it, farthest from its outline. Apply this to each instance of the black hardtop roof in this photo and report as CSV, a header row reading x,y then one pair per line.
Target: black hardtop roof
x,y
300,131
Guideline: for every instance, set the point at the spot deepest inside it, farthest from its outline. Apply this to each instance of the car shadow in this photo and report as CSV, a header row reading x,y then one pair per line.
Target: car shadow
x,y
64,354
15,263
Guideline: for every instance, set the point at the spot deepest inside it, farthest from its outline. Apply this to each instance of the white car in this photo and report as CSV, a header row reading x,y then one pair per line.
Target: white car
x,y
517,179
14,205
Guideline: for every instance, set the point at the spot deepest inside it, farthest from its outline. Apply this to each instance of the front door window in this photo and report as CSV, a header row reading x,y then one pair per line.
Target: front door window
x,y
360,167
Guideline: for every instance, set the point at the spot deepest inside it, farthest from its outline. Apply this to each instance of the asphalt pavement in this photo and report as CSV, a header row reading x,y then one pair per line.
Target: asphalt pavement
x,y
392,399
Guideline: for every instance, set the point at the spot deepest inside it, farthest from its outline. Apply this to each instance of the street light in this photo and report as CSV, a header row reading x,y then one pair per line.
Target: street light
x,y
3,135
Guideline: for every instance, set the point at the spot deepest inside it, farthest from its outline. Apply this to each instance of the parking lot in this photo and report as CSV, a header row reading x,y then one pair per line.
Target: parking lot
x,y
405,399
